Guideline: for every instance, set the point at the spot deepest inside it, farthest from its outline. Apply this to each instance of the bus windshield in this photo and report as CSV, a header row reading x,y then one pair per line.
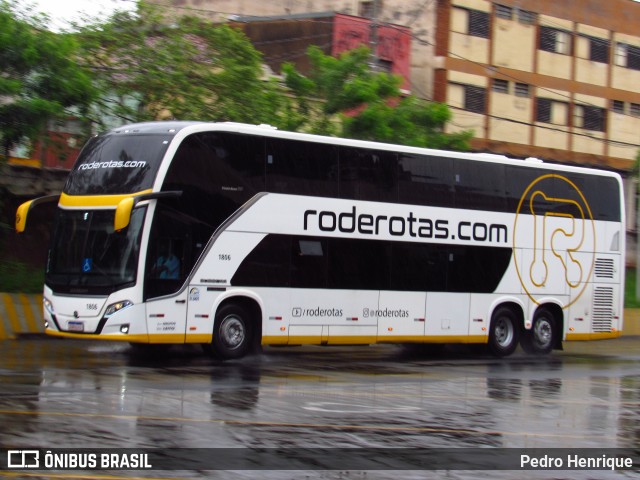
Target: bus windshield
x,y
88,256
114,164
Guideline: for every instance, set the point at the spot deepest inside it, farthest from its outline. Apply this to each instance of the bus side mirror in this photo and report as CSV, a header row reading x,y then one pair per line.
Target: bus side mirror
x,y
123,213
126,206
23,210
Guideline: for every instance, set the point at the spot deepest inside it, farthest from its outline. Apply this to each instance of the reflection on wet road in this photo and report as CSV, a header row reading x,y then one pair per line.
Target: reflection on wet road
x,y
69,394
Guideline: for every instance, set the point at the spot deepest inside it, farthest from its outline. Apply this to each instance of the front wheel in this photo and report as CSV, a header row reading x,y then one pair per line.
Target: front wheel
x,y
231,332
543,334
503,332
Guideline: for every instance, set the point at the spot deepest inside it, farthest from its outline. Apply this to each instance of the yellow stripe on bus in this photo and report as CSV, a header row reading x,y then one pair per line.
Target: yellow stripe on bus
x,y
592,336
199,338
96,200
170,338
139,338
370,339
435,339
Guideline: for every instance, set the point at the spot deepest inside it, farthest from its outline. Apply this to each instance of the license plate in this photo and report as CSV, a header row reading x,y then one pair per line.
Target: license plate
x,y
75,326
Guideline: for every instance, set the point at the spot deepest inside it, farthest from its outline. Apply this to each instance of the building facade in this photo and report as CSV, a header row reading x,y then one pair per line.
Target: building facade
x,y
286,39
554,80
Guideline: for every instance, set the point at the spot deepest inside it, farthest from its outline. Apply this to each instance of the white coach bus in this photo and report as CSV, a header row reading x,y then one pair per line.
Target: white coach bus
x,y
233,236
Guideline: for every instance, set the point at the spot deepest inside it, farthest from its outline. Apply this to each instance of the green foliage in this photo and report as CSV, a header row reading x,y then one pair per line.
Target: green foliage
x,y
150,70
18,277
409,122
630,300
343,96
40,79
635,170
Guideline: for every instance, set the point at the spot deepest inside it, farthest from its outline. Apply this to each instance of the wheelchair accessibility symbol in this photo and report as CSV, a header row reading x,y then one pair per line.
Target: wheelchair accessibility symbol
x,y
554,239
87,265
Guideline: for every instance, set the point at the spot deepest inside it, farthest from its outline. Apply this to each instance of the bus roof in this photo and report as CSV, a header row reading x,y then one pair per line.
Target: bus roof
x,y
185,128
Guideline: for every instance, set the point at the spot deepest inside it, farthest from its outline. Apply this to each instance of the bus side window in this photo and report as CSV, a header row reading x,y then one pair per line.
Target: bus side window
x,y
479,185
358,264
425,180
301,168
309,263
370,175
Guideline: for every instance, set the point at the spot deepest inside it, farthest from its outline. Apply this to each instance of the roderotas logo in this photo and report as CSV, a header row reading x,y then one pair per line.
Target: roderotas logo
x,y
554,239
113,164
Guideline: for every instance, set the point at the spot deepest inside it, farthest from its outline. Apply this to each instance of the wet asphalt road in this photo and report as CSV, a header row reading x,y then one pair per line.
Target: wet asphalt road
x,y
70,394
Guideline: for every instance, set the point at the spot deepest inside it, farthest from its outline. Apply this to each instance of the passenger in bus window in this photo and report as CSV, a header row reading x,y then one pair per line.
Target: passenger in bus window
x,y
168,265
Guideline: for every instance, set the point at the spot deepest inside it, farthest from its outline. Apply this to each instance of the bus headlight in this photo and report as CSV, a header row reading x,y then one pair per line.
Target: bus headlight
x,y
116,307
47,305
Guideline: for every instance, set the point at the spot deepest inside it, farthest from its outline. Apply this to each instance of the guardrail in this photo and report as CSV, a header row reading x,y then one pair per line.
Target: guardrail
x,y
22,314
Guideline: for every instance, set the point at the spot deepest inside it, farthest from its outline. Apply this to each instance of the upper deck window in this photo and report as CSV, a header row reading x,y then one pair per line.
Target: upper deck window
x,y
117,164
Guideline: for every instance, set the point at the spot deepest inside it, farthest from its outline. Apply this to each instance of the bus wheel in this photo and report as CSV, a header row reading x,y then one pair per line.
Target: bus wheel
x,y
503,333
542,336
231,332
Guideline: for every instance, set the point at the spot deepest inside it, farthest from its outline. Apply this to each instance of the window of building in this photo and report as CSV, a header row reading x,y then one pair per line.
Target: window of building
x,y
634,109
500,86
503,11
543,110
522,90
523,16
467,97
384,65
598,49
589,118
474,99
627,56
555,40
527,17
367,9
478,25
618,106
551,111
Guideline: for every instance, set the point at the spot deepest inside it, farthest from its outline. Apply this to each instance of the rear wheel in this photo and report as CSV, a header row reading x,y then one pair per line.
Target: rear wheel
x,y
543,334
503,332
232,332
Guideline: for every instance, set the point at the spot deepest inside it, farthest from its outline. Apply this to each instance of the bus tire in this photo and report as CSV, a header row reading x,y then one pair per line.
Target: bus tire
x,y
542,337
232,332
503,332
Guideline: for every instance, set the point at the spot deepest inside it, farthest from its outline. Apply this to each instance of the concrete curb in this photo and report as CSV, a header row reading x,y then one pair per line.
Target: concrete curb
x,y
21,315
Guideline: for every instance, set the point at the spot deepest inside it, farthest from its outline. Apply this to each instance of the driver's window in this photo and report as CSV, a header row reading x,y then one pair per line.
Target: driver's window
x,y
168,254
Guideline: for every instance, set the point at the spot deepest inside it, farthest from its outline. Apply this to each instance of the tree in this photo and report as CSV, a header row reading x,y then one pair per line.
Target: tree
x,y
148,69
40,81
343,96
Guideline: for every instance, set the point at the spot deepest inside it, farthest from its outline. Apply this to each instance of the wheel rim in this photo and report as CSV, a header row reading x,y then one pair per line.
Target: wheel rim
x,y
232,332
503,332
543,333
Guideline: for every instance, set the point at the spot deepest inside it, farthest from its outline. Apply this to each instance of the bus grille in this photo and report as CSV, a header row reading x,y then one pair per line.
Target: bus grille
x,y
604,268
602,317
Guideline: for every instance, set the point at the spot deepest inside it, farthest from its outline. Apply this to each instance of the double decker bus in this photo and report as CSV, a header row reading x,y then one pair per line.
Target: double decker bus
x,y
233,236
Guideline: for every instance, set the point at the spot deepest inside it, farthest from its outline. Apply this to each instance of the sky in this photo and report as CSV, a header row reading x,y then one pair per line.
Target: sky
x,y
63,11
